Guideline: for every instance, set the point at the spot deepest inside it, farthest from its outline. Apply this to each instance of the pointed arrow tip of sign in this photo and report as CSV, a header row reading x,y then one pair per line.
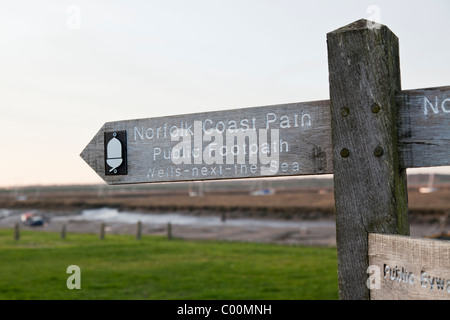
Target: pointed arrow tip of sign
x,y
93,153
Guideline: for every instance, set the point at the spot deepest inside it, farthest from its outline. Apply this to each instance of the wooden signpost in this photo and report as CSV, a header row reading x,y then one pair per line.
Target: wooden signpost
x,y
367,135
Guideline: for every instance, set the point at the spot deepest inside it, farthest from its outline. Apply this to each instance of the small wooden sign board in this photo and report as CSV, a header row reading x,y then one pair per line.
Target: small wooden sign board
x,y
408,268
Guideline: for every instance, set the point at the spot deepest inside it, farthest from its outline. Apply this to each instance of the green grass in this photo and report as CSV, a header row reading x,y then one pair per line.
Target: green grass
x,y
120,267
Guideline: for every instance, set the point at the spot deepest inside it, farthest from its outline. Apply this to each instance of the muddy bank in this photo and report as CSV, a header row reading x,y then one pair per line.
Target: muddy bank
x,y
293,204
183,226
321,232
260,210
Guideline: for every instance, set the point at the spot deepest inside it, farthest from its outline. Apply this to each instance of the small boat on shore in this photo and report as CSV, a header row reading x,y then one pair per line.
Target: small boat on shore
x,y
31,219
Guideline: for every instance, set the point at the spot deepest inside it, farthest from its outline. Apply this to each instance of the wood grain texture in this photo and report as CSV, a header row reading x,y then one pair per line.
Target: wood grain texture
x,y
424,127
303,145
409,268
370,190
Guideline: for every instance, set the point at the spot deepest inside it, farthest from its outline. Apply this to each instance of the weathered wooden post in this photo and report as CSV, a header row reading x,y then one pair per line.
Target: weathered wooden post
x,y
370,186
63,231
16,232
102,231
138,230
169,231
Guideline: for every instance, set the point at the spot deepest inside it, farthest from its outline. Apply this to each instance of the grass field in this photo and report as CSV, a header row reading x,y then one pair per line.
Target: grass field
x,y
121,267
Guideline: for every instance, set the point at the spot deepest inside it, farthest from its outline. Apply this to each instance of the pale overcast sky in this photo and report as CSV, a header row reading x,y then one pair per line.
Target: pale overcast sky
x,y
67,67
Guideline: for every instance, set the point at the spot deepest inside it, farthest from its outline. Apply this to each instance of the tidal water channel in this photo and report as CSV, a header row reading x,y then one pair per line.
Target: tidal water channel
x,y
114,215
304,232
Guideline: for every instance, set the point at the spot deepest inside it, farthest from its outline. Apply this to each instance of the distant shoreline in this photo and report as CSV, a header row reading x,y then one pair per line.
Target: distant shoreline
x,y
287,199
284,206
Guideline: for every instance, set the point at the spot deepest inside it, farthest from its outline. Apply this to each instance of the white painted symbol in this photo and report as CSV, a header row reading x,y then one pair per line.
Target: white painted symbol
x,y
114,153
